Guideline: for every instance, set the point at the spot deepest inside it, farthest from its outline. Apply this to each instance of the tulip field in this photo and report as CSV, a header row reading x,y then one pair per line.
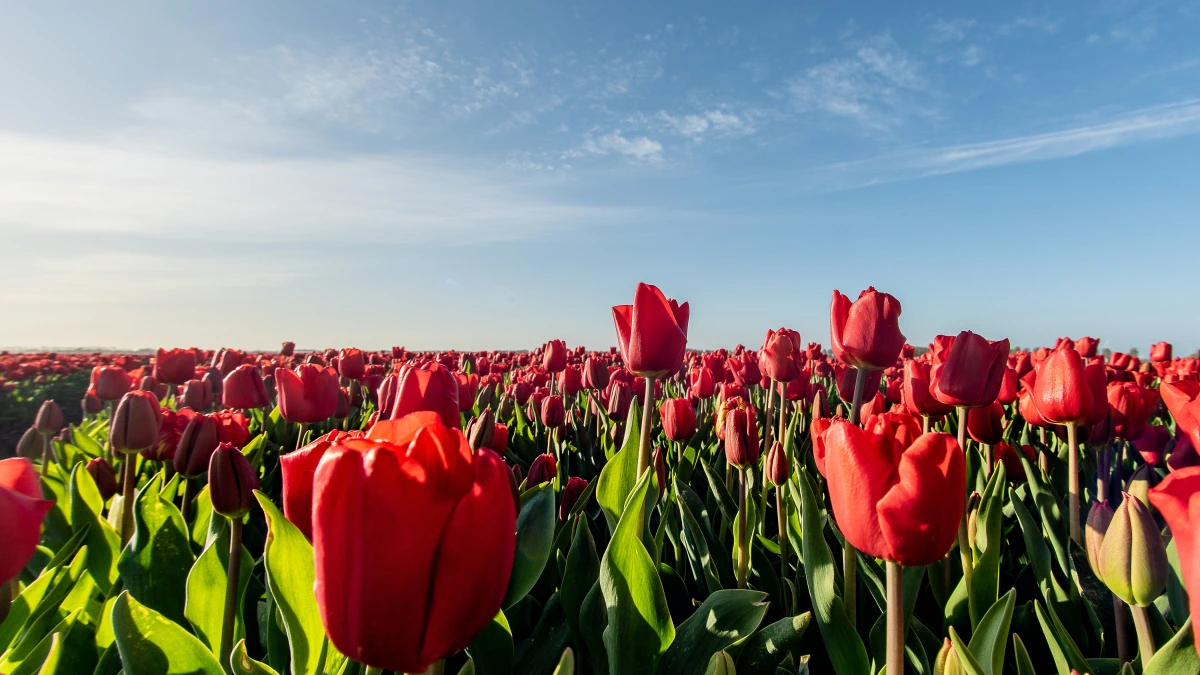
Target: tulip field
x,y
845,503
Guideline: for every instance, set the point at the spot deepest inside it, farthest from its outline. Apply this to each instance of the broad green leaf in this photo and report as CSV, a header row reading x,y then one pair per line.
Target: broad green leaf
x,y
46,617
639,625
725,502
966,660
244,665
724,618
73,649
535,538
539,653
1066,654
201,518
206,583
155,564
492,650
288,560
1178,656
582,571
1050,511
1021,656
593,621
763,652
619,475
32,651
990,638
845,647
102,541
150,644
694,543
985,583
1177,595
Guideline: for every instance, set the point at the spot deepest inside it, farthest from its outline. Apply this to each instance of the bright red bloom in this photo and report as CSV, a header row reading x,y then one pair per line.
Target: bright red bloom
x,y
1160,352
554,356
427,387
678,419
298,469
816,431
468,389
1177,498
570,381
1086,346
652,332
986,425
968,369
1068,392
500,438
917,397
352,364
411,526
170,428
232,428
174,366
703,384
781,355
892,502
739,421
21,512
243,388
307,394
1131,406
1183,400
1009,387
866,333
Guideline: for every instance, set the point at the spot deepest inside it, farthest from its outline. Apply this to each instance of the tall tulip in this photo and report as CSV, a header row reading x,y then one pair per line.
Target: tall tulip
x,y
968,369
1160,352
781,355
866,333
554,356
243,388
174,366
307,394
428,387
21,512
678,419
917,397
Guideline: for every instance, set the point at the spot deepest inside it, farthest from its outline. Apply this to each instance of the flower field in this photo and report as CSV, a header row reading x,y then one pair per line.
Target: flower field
x,y
849,505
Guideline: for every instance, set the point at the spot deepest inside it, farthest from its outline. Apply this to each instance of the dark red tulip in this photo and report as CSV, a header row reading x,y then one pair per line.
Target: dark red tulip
x,y
595,374
740,425
411,525
170,428
307,394
620,395
777,467
136,422
104,477
781,356
352,364
891,502
543,469
231,482
570,496
174,366
652,332
1152,444
553,414
866,333
196,444
196,394
21,512
244,388
1131,406
1007,455
917,397
570,381
678,419
986,425
90,404
287,349
745,369
968,370
554,356
1009,387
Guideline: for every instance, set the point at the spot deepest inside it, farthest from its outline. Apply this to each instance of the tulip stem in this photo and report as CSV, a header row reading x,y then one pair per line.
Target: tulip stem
x,y
743,536
45,454
770,416
924,424
781,516
782,416
1120,622
1073,482
300,436
232,583
1141,623
860,385
188,497
895,619
849,554
964,546
647,425
127,495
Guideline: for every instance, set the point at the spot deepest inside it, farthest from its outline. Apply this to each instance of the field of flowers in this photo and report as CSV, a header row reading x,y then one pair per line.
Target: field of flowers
x,y
967,508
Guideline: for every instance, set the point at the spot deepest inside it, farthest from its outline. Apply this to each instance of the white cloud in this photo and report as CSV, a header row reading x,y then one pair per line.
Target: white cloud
x,y
641,148
1038,24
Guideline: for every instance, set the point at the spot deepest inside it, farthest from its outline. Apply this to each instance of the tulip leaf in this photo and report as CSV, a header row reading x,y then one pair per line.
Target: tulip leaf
x,y
201,518
966,660
242,664
72,649
846,650
539,652
985,584
990,638
150,644
1062,647
154,566
101,540
1178,656
1177,595
724,618
763,652
696,546
619,475
205,608
33,651
639,624
47,615
566,664
491,651
49,582
725,502
535,539
581,572
288,559
1050,511
593,621
1021,656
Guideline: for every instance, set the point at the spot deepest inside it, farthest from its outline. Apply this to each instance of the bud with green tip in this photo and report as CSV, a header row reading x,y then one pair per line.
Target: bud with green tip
x,y
947,660
1098,520
1133,558
721,664
1141,481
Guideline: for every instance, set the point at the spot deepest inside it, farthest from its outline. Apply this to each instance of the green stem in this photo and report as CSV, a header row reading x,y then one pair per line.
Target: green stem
x,y
189,494
895,619
647,425
743,536
127,496
781,516
45,454
1141,623
232,584
849,554
964,546
1073,483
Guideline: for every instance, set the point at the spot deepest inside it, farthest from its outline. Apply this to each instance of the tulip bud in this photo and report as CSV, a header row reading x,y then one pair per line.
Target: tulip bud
x,y
487,394
136,422
104,476
1098,520
1133,558
570,495
30,445
90,404
947,660
741,437
506,408
196,445
481,431
660,470
973,503
552,412
777,468
195,394
543,469
518,474
49,419
721,664
500,438
231,481
1144,478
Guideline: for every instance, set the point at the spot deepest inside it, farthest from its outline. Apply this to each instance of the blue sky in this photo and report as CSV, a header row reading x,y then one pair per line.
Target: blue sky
x,y
492,175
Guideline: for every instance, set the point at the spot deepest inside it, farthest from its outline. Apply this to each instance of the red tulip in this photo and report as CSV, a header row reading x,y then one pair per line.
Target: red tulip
x,y
891,502
845,377
543,469
136,422
199,439
170,428
104,476
413,526
816,431
986,425
1183,400
352,364
619,396
1008,387
468,389
1068,392
595,374
1086,346
307,394
570,496
1131,406
1160,352
231,482
500,438
109,383
570,381
740,424
1177,498
428,387
702,383
678,419
781,355
91,404
777,468
232,428
1152,443
196,394
554,356
298,469
866,333
876,405
652,332
243,388
49,420
21,512
174,366
287,349
1007,454
968,370
553,414
744,369
917,397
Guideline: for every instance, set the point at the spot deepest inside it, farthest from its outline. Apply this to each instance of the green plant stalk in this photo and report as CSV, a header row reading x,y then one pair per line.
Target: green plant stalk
x,y
232,581
743,535
1141,623
647,425
300,436
781,516
964,546
127,495
895,619
849,554
1120,616
1073,482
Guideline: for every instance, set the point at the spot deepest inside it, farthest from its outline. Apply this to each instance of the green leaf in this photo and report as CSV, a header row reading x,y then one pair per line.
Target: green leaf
x,y
540,652
990,638
985,583
205,608
535,539
73,648
102,541
492,650
155,564
699,555
846,650
1021,656
244,665
47,615
763,652
724,618
639,624
1066,654
288,560
581,573
150,644
1178,656
725,502
1050,511
201,517
593,621
619,475
1177,596
968,662
566,665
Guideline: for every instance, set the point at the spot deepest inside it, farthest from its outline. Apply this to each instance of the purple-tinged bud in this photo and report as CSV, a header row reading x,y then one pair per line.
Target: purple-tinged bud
x,y
1133,557
570,495
231,481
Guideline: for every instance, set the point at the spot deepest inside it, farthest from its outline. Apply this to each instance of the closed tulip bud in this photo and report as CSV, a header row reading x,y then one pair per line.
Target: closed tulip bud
x,y
777,468
30,445
781,355
136,422
487,394
506,407
552,412
651,332
308,394
741,435
352,364
243,387
287,349
231,482
866,333
49,419
90,404
1068,391
570,381
1098,520
196,394
1133,557
482,430
517,474
678,419
1160,352
595,374
986,425
543,470
554,356
620,395
500,438
721,664
109,383
104,477
947,662
973,503
149,383
570,495
196,444
213,379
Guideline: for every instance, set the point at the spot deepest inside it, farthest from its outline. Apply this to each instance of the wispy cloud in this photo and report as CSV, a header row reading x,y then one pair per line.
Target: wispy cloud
x,y
638,148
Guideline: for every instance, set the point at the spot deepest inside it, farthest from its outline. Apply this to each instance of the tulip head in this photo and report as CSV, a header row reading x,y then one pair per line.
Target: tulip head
x,y
554,356
968,369
231,482
678,419
777,468
866,333
553,414
136,422
543,469
104,476
570,496
196,444
243,387
781,355
651,332
1098,520
1132,560
739,421
49,419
